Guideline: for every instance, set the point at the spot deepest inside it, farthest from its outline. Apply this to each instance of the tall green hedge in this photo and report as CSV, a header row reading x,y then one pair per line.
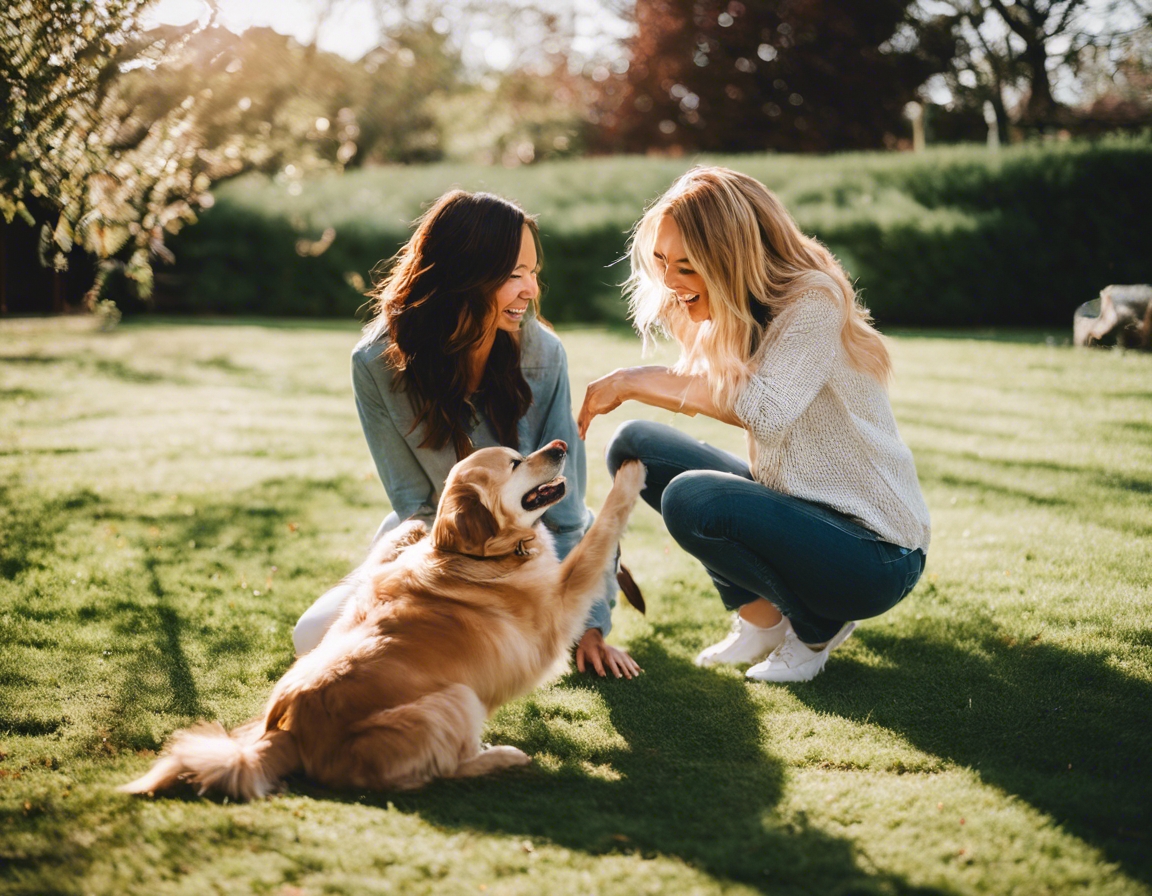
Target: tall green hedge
x,y
950,237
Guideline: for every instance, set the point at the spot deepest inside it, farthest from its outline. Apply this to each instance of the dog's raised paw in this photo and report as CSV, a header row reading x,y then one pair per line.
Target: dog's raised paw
x,y
631,477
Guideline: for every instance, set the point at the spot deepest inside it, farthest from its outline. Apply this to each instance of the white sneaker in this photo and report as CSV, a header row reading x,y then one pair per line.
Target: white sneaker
x,y
796,661
746,643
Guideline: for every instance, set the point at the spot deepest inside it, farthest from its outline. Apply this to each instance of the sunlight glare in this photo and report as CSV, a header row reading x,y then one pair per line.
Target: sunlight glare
x,y
176,12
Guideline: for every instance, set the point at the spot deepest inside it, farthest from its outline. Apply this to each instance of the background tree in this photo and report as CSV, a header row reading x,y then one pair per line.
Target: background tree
x,y
1117,81
67,156
1034,24
536,107
983,67
111,136
395,97
1012,53
266,101
782,74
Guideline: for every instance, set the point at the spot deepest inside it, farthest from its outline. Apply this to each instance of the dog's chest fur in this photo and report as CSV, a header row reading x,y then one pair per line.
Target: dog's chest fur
x,y
495,623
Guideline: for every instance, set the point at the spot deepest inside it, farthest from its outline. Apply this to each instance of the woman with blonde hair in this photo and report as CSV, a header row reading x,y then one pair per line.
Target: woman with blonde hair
x,y
826,523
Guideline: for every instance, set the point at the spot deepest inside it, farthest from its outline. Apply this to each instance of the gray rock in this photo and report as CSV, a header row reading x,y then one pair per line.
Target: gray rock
x,y
1121,315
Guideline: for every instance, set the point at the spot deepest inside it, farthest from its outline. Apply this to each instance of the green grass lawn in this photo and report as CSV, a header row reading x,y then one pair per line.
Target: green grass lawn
x,y
174,494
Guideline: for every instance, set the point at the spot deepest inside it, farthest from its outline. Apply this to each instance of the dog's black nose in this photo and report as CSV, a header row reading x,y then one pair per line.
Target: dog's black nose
x,y
557,447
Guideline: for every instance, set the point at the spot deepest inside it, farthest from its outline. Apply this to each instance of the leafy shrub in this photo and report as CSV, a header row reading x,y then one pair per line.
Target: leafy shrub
x,y
951,237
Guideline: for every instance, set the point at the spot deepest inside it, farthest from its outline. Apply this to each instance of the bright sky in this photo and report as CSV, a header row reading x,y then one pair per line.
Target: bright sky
x,y
352,29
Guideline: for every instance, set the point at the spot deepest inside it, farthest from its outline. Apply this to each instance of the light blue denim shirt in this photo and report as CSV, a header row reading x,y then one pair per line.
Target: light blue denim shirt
x,y
413,476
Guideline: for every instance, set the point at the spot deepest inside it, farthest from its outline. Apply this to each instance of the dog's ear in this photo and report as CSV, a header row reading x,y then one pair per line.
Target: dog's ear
x,y
463,524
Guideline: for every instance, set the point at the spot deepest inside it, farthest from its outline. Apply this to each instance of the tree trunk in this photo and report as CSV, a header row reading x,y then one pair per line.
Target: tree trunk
x,y
1041,106
997,100
3,269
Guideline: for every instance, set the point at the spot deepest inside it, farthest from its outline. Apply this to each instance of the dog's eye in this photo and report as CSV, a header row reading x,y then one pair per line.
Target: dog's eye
x,y
515,463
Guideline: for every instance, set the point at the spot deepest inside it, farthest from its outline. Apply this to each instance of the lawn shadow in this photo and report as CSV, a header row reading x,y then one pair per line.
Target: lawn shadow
x,y
171,638
157,610
161,321
30,525
1011,335
687,778
159,677
1099,496
1065,731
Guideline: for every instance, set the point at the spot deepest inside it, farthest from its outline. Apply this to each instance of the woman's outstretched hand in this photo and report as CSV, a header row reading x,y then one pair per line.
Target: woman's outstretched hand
x,y
655,386
603,396
592,650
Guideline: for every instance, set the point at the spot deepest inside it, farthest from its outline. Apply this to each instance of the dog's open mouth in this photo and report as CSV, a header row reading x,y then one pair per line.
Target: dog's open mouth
x,y
543,495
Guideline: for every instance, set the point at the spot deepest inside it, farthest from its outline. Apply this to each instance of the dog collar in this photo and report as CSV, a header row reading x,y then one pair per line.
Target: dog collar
x,y
519,551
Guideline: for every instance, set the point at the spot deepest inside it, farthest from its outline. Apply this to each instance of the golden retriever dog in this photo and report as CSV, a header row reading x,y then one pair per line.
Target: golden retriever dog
x,y
446,627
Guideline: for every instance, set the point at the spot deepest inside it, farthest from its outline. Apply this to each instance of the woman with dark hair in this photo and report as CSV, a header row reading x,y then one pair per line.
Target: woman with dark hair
x,y
456,358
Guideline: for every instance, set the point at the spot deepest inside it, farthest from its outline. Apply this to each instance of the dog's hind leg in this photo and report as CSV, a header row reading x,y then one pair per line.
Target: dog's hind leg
x,y
437,736
390,546
492,759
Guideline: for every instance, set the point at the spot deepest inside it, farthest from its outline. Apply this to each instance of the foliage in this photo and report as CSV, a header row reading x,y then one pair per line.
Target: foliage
x,y
953,237
1118,81
270,103
116,134
1012,56
984,67
394,94
173,495
792,75
258,97
68,142
525,116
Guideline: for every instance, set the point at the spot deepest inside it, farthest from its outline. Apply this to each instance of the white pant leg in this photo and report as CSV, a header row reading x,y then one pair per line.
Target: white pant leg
x,y
318,618
390,522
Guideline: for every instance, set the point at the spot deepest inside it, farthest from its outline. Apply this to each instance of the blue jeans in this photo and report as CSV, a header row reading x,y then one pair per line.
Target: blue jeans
x,y
818,567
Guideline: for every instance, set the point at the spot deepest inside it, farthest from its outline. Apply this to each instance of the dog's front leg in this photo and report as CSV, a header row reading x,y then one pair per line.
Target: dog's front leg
x,y
582,571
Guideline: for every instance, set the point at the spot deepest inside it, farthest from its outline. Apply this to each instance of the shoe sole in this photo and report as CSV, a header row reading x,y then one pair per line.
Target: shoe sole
x,y
783,680
841,636
707,662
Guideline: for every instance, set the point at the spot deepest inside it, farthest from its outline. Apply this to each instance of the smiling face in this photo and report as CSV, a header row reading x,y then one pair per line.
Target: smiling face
x,y
494,496
515,294
672,258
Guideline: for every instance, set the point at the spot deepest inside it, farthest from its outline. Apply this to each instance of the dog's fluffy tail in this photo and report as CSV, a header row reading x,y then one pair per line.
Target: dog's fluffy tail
x,y
247,764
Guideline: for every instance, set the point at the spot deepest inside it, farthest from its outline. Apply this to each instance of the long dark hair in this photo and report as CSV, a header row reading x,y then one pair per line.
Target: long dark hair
x,y
436,304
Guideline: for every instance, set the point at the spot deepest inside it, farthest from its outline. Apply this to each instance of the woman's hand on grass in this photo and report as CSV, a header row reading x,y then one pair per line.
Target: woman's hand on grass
x,y
592,650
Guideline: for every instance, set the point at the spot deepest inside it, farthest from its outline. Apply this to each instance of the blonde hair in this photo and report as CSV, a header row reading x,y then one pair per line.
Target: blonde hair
x,y
743,242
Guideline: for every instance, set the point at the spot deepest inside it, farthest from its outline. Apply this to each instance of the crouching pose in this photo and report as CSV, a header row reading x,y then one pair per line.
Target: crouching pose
x,y
442,628
826,523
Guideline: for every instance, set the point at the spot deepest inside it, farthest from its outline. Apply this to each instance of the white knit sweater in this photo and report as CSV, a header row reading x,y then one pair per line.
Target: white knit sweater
x,y
822,431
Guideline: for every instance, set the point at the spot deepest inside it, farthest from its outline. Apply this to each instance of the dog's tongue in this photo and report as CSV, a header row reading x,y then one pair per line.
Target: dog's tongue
x,y
548,493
